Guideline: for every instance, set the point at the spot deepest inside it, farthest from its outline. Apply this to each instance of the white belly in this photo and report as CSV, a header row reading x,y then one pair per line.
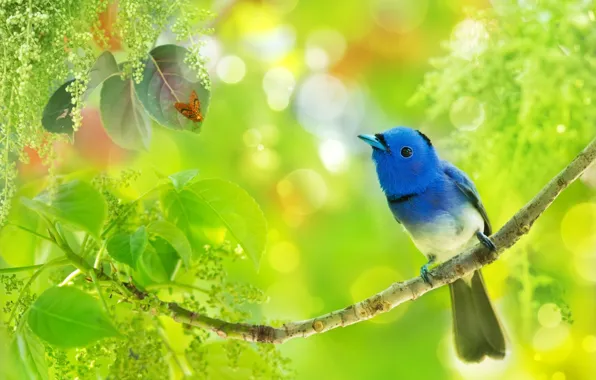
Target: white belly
x,y
448,234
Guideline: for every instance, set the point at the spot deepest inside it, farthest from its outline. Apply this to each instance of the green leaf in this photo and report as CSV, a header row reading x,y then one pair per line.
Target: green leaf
x,y
238,211
28,353
180,179
192,216
11,369
167,79
56,117
215,202
74,203
175,237
123,117
127,248
157,263
105,66
68,317
14,239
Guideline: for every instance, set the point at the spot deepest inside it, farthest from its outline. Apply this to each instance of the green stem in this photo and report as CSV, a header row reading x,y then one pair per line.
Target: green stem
x,y
32,232
70,277
6,191
115,222
52,263
84,245
125,292
94,278
98,288
63,262
76,260
104,278
177,285
99,255
176,269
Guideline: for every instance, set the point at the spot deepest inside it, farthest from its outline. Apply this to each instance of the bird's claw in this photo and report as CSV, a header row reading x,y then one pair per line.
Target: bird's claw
x,y
486,241
425,274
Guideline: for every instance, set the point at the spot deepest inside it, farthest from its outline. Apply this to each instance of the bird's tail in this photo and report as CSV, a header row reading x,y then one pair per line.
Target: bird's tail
x,y
477,330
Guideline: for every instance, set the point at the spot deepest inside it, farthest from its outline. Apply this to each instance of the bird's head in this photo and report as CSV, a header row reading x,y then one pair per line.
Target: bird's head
x,y
405,159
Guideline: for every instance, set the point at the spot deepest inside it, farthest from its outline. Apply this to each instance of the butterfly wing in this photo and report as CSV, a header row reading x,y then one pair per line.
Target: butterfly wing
x,y
184,109
192,110
195,104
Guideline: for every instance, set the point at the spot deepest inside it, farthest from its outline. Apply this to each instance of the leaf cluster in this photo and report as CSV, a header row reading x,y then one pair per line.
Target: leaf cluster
x,y
106,320
51,46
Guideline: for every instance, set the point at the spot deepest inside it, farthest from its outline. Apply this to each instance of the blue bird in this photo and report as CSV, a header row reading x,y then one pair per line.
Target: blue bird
x,y
441,210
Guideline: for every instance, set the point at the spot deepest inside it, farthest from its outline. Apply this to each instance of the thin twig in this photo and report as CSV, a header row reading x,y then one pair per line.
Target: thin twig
x,y
70,277
99,255
399,292
63,262
125,212
52,263
83,249
177,285
99,292
32,232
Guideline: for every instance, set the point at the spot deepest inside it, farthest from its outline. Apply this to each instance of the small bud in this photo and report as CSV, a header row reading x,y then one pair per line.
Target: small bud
x,y
318,326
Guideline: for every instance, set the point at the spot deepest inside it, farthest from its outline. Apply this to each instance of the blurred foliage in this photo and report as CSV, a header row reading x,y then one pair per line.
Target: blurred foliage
x,y
523,73
111,327
44,43
294,82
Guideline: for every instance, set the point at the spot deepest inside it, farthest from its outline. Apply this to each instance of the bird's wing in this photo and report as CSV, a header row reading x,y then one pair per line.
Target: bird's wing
x,y
393,212
466,186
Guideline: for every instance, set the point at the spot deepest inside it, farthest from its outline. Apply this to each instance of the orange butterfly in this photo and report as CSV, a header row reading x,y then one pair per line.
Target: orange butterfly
x,y
192,110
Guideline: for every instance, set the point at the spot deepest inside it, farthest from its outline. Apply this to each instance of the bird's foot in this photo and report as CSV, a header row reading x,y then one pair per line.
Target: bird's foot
x,y
425,272
485,241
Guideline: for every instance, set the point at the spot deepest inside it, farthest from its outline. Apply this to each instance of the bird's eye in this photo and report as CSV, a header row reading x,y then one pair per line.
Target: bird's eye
x,y
406,152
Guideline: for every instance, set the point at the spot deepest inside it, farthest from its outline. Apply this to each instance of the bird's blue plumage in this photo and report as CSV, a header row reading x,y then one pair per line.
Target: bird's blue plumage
x,y
441,195
466,186
435,201
440,208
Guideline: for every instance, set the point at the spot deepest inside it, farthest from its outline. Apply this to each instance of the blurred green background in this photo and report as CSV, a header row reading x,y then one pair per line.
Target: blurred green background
x,y
294,82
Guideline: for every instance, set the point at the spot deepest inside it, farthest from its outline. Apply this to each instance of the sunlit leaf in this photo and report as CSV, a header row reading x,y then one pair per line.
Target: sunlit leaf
x,y
123,117
157,263
11,369
191,215
166,81
68,317
127,248
14,239
28,354
175,237
215,202
238,211
56,116
180,179
74,203
105,66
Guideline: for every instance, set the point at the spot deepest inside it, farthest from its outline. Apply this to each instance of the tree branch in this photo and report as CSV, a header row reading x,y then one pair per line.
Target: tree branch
x,y
399,292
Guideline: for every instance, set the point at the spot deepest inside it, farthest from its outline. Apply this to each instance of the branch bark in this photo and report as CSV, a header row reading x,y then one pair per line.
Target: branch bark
x,y
399,292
